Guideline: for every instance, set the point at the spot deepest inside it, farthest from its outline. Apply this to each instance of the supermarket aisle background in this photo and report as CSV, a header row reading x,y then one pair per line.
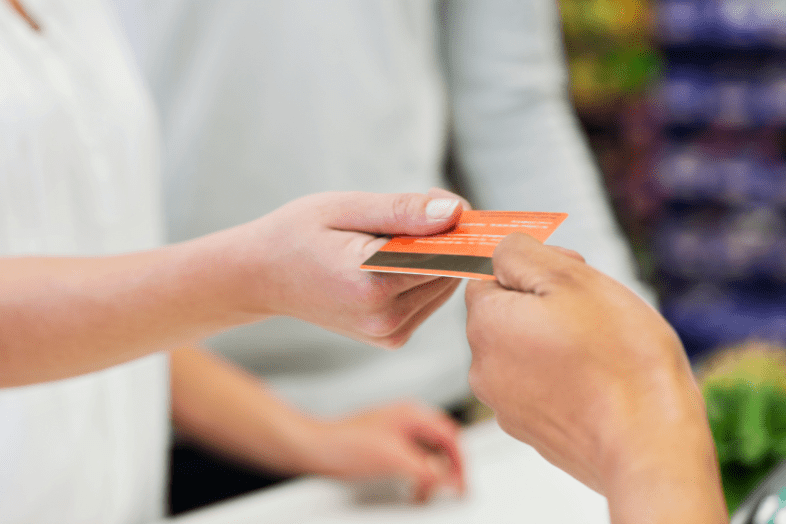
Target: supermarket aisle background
x,y
684,104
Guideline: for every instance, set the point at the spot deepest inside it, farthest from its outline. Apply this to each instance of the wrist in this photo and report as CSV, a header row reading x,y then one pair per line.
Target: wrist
x,y
309,446
668,473
230,274
683,487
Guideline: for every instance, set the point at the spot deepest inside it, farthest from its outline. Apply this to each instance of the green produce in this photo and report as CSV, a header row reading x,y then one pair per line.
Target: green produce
x,y
745,392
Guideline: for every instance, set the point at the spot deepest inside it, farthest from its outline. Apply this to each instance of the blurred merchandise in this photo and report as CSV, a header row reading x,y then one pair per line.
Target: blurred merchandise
x,y
600,78
767,503
726,24
621,20
684,105
720,172
719,235
612,62
745,391
728,94
610,55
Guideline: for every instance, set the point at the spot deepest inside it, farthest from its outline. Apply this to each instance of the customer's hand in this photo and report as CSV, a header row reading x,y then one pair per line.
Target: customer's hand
x,y
576,365
404,441
312,248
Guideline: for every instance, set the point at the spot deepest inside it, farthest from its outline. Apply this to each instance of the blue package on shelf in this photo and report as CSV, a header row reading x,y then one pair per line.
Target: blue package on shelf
x,y
690,175
685,97
733,103
769,98
773,14
746,244
687,175
704,319
722,24
726,95
754,237
778,175
720,249
747,180
736,23
692,254
682,22
708,317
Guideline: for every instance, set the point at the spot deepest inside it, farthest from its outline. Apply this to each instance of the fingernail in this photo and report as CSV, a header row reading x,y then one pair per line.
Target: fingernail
x,y
441,208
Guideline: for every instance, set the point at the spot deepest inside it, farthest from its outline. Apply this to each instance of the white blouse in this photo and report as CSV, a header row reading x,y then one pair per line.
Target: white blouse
x,y
79,167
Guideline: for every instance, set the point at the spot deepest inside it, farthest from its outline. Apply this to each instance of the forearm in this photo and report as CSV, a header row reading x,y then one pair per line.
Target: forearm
x,y
666,470
684,487
229,411
61,317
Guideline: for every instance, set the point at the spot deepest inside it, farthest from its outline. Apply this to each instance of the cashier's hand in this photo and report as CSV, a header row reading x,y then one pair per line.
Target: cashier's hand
x,y
579,367
313,248
404,441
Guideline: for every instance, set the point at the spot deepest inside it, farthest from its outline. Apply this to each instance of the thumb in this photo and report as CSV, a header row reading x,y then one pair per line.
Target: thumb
x,y
395,214
522,263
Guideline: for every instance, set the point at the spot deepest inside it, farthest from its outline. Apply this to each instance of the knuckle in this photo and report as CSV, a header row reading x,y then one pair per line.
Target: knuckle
x,y
405,206
474,331
568,252
383,325
407,409
477,384
381,290
403,406
563,275
509,426
398,340
511,246
391,343
478,321
370,290
471,294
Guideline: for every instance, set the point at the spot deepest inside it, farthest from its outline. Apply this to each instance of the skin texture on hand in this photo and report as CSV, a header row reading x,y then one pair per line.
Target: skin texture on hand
x,y
61,317
315,245
221,407
576,365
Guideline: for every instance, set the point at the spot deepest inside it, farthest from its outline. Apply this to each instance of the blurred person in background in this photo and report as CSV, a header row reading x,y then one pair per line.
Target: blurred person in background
x,y
79,168
264,101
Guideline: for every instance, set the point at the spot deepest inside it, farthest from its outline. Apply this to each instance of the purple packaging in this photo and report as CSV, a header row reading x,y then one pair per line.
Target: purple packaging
x,y
736,23
680,22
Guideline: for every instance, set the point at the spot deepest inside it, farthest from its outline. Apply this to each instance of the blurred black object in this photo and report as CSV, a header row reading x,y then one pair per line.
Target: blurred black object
x,y
198,478
765,501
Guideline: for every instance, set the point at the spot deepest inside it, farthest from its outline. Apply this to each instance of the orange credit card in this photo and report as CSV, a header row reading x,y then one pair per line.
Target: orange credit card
x,y
464,251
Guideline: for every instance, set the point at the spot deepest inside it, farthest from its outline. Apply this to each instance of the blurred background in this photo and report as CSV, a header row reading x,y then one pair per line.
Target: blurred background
x,y
684,105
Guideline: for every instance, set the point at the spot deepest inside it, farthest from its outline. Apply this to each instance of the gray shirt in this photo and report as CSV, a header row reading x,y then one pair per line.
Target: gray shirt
x,y
262,102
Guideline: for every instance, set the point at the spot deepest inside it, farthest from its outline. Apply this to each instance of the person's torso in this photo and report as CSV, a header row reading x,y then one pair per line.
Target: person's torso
x,y
79,176
263,102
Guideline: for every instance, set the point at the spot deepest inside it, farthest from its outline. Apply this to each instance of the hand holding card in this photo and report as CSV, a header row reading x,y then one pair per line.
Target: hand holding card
x,y
464,251
312,249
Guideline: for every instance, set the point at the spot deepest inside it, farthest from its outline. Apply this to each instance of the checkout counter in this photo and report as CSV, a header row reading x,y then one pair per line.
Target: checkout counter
x,y
508,482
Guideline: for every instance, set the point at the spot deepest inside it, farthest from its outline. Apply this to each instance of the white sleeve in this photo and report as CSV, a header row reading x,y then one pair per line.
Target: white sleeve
x,y
517,141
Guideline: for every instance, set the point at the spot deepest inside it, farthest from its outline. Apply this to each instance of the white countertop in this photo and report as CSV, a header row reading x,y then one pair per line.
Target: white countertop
x,y
508,482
